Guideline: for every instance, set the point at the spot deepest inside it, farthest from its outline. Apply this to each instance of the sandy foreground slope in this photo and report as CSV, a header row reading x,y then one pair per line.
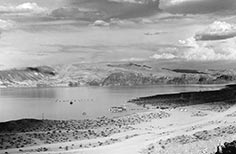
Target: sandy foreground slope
x,y
194,129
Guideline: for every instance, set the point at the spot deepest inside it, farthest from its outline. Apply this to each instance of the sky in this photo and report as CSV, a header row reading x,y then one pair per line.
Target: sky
x,y
39,32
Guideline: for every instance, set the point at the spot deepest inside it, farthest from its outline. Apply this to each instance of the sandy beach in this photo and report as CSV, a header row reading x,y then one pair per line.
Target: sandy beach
x,y
192,129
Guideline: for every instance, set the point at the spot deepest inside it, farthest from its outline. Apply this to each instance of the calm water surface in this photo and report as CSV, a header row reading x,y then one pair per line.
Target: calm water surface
x,y
54,103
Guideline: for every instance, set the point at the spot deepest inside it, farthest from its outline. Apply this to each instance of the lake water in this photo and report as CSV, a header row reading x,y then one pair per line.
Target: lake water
x,y
54,103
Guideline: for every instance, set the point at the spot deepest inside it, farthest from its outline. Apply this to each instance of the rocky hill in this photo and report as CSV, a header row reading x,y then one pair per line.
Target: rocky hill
x,y
26,77
112,74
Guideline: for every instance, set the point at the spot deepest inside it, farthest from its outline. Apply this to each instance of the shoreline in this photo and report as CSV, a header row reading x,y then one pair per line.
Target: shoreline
x,y
226,94
133,86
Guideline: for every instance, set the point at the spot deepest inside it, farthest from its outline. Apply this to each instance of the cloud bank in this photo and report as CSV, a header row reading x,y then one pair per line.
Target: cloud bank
x,y
205,52
6,25
217,31
205,45
163,56
198,6
22,8
107,9
192,50
77,13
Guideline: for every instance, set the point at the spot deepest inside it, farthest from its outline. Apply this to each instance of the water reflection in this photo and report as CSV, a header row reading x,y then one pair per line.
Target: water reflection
x,y
28,93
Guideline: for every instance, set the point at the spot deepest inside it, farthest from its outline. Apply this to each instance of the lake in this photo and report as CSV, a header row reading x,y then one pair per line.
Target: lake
x,y
54,103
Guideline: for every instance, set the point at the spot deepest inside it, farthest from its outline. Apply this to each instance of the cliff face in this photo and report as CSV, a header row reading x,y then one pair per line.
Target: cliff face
x,y
132,79
26,77
129,79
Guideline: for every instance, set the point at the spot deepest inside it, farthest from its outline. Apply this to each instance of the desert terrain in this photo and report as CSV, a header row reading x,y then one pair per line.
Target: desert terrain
x,y
189,129
116,43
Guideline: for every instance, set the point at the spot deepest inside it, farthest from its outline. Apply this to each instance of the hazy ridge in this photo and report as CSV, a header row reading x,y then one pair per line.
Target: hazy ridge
x,y
111,74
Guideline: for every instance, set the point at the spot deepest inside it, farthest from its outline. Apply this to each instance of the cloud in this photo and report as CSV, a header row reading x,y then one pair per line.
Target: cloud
x,y
176,2
192,50
92,10
22,8
123,9
198,6
217,31
123,22
130,1
205,52
163,56
133,59
76,13
6,25
100,23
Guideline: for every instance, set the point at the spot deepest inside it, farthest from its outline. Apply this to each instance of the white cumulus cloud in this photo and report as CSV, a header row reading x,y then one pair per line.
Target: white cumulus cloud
x,y
217,31
174,2
202,51
100,23
22,8
193,50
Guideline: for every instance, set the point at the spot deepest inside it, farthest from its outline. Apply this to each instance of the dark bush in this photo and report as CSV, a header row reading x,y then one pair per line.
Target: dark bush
x,y
227,148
